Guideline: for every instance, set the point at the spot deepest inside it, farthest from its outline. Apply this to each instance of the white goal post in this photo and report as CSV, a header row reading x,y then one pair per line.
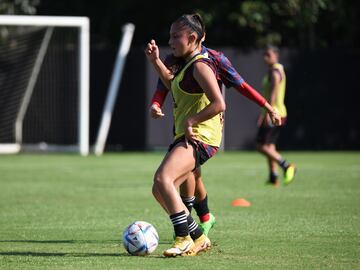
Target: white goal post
x,y
49,22
124,47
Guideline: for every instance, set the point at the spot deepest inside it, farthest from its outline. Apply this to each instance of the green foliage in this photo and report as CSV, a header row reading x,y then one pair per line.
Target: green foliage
x,y
17,7
252,14
68,212
297,23
268,20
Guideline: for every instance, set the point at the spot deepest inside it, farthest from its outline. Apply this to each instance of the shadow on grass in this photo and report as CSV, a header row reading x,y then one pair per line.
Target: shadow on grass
x,y
73,241
76,255
60,254
62,241
84,255
72,254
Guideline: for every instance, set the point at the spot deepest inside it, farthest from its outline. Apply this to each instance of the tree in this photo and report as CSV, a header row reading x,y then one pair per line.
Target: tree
x,y
277,21
249,23
12,7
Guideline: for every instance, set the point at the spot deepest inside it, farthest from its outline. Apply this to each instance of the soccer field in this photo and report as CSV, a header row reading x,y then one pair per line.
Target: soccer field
x,y
68,212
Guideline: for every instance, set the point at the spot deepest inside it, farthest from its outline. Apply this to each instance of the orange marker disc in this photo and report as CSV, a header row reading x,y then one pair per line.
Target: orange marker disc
x,y
241,202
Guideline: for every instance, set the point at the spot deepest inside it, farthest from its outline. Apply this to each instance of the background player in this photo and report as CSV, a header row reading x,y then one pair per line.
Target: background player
x,y
274,84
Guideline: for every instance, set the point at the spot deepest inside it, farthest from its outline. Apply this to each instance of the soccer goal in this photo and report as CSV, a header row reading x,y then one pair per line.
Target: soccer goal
x,y
44,83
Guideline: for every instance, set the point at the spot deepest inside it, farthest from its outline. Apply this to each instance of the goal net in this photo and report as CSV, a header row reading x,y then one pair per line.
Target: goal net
x,y
44,84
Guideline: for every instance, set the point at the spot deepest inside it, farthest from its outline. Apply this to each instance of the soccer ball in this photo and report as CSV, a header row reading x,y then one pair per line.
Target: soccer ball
x,y
140,238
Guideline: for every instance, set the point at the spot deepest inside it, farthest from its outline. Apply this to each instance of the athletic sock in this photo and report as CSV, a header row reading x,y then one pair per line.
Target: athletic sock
x,y
283,164
273,177
194,230
202,209
189,202
205,217
180,223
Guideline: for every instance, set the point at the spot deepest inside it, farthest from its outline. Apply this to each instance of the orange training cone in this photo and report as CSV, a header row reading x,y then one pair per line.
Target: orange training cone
x,y
240,202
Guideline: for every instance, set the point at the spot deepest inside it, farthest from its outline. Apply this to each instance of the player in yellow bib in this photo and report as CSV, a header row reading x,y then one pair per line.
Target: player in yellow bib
x,y
198,105
188,104
193,191
274,84
276,95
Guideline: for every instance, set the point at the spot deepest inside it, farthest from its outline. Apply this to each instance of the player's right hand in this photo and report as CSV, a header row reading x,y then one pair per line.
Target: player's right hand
x,y
152,51
156,112
274,118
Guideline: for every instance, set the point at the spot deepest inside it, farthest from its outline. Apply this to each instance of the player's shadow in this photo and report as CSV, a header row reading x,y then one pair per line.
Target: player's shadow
x,y
72,241
60,254
70,254
77,255
61,241
67,254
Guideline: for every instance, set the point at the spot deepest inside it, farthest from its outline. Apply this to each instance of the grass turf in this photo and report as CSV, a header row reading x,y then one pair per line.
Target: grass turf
x,y
68,212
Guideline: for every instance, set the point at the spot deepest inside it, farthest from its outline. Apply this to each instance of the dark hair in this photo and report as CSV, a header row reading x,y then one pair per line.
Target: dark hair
x,y
194,22
273,48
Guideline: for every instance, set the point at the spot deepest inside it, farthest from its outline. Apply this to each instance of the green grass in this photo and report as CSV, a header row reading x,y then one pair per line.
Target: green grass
x,y
68,212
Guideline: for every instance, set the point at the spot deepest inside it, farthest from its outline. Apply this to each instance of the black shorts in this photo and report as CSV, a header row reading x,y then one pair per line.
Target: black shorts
x,y
268,135
202,151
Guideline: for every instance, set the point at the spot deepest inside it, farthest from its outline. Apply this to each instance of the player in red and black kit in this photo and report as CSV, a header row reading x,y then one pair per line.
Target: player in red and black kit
x,y
192,191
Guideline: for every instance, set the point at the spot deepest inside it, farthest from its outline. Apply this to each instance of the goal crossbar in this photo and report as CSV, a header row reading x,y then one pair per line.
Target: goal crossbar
x,y
62,21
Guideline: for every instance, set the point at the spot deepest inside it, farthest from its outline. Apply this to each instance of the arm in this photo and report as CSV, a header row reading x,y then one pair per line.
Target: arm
x,y
249,92
246,90
152,53
205,77
164,83
273,114
156,103
230,77
159,97
161,92
158,100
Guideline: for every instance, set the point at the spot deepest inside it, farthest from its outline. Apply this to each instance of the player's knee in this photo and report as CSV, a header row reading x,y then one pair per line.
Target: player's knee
x,y
155,191
160,179
264,148
157,185
157,181
261,148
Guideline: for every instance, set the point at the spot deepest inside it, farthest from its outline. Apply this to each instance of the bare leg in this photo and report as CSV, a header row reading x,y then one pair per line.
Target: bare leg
x,y
187,189
273,163
175,168
159,197
172,172
194,186
200,190
269,151
273,159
